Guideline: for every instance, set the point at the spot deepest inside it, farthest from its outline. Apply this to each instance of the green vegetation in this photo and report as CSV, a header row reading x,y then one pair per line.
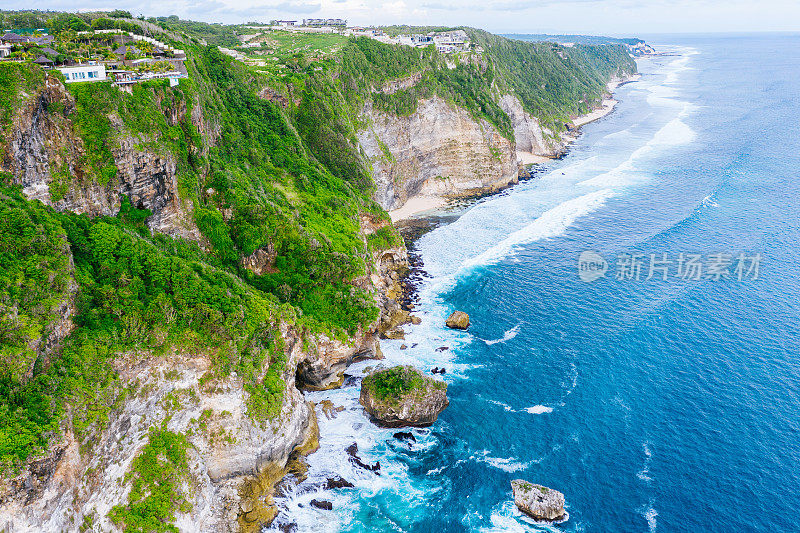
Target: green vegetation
x,y
34,279
15,78
383,239
200,32
158,473
393,383
368,64
282,45
553,81
267,160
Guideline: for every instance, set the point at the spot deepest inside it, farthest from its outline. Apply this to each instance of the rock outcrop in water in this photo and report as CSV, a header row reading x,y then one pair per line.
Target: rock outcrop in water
x,y
403,396
458,320
538,502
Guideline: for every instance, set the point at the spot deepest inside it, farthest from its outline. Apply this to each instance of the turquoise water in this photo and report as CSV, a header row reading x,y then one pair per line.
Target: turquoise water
x,y
652,405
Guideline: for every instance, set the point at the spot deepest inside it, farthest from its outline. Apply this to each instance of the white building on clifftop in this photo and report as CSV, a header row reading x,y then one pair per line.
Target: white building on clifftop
x,y
84,73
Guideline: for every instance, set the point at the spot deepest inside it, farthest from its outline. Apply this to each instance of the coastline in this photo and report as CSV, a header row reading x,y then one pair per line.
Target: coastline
x,y
416,205
422,204
608,104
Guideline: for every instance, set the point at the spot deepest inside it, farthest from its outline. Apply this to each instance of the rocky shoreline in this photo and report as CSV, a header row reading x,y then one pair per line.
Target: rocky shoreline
x,y
412,228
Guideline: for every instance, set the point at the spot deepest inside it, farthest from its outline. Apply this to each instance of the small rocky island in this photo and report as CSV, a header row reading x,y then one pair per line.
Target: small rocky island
x,y
403,396
538,502
458,320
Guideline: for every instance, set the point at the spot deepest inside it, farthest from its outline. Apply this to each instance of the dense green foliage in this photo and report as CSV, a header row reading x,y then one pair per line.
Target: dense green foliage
x,y
278,180
134,292
158,473
366,64
280,196
393,383
34,279
15,77
211,34
554,81
383,239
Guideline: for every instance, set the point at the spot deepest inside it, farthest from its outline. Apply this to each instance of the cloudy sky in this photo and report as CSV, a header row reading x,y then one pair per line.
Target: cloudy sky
x,y
625,17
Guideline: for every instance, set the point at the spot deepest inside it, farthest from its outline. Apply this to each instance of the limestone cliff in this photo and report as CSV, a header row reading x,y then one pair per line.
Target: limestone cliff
x,y
440,150
60,491
530,137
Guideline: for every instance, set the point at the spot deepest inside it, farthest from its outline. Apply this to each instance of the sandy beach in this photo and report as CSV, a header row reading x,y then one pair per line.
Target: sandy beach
x,y
606,107
528,158
416,205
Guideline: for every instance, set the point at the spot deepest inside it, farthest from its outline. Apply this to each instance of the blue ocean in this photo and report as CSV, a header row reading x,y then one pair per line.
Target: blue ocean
x,y
658,385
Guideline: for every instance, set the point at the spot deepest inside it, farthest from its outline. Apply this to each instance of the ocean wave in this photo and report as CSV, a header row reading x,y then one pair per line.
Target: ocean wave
x,y
709,201
539,409
550,224
644,473
507,336
673,133
649,513
506,464
503,405
506,518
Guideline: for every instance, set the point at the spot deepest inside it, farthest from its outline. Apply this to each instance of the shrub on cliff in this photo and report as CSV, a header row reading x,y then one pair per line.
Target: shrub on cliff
x,y
158,473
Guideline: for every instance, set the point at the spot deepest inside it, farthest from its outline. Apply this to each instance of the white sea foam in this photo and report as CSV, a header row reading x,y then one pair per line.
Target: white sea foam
x,y
506,464
644,473
539,409
503,405
649,513
550,224
709,201
506,518
673,133
507,336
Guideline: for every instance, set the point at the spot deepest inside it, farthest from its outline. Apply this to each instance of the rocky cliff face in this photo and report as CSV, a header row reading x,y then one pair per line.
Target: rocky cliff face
x,y
529,135
444,151
439,150
228,450
43,155
234,460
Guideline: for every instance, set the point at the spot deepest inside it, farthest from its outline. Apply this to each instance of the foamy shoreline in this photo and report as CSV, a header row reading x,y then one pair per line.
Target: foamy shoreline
x,y
607,105
421,204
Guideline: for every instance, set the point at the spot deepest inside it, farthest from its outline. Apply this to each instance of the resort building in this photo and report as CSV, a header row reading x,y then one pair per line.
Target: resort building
x,y
84,73
324,22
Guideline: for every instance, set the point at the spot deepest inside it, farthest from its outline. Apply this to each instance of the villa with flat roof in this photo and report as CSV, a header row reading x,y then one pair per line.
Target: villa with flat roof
x,y
84,73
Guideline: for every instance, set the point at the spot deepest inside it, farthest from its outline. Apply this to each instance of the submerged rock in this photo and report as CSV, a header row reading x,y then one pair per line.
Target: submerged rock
x,y
330,410
322,504
538,502
405,435
338,483
403,396
458,320
352,451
